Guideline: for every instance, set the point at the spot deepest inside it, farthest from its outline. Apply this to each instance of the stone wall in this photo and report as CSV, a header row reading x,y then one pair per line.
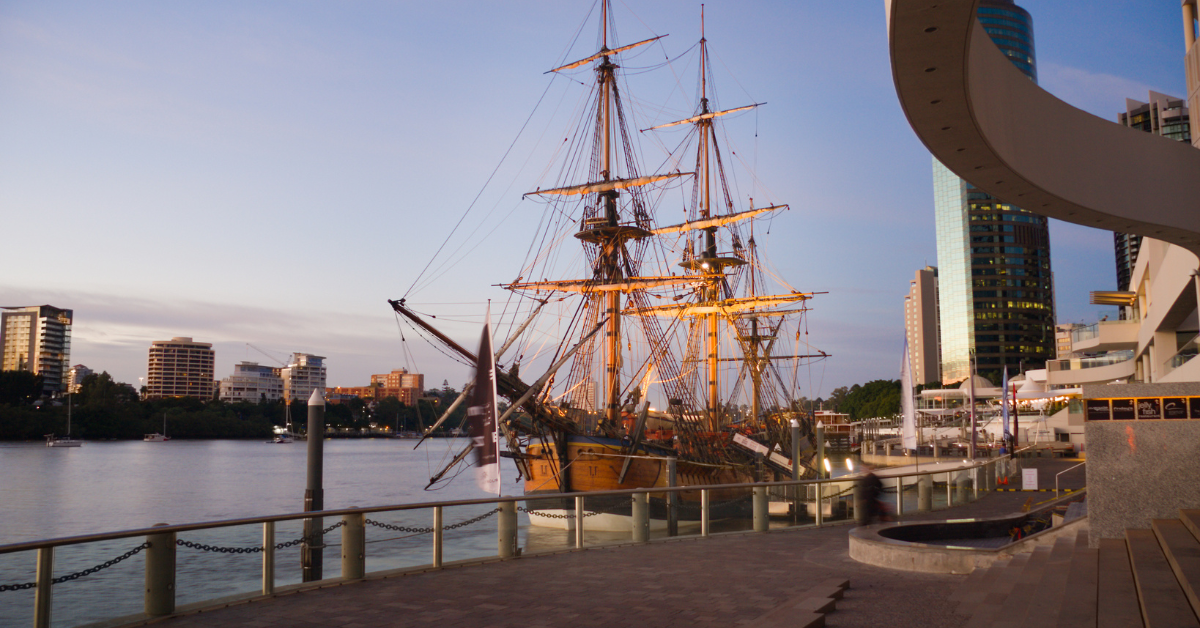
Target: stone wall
x,y
1138,471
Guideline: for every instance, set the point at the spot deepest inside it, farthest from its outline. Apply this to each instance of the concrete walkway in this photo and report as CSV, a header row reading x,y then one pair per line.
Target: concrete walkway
x,y
727,580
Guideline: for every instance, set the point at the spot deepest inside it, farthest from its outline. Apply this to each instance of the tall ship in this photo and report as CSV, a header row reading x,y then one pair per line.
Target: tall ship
x,y
676,349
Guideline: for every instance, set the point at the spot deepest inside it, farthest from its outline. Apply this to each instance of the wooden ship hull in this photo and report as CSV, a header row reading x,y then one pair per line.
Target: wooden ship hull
x,y
594,463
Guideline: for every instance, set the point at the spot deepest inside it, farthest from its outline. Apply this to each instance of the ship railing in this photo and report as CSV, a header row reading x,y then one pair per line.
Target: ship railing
x,y
187,567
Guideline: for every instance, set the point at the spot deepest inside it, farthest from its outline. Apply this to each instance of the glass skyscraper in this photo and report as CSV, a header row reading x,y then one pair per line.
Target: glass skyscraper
x,y
996,288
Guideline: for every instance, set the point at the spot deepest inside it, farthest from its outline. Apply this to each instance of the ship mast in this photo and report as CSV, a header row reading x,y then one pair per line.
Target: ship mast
x,y
610,253
612,271
708,263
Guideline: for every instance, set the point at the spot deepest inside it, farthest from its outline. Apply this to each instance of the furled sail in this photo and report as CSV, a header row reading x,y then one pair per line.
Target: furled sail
x,y
604,53
705,116
909,426
727,307
718,221
626,285
606,186
481,416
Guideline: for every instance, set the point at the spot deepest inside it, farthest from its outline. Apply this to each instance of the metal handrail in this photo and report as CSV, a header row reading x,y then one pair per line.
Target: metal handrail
x,y
1062,472
227,523
160,541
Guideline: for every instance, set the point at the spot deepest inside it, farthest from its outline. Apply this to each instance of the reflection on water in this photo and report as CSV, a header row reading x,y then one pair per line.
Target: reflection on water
x,y
108,486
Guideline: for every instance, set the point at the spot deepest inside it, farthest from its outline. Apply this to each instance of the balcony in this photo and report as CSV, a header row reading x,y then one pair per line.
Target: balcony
x,y
1105,336
1098,370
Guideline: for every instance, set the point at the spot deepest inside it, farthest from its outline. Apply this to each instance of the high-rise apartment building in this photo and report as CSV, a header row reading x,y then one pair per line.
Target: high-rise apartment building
x,y
405,386
1163,115
252,382
303,373
921,326
995,286
75,377
37,339
180,367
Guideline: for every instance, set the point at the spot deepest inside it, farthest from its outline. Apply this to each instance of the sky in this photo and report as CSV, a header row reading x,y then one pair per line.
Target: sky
x,y
265,175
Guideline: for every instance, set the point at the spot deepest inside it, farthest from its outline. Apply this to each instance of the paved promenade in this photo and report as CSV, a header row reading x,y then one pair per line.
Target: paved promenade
x,y
728,580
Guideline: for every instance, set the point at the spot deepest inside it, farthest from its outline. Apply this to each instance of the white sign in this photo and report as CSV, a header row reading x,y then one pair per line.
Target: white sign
x,y
754,446
1029,480
761,449
778,459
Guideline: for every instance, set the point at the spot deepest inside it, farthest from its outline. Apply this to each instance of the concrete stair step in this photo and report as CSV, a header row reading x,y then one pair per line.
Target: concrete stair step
x,y
1183,553
1116,594
1190,519
1078,608
972,592
808,608
999,583
1010,595
1163,602
1014,609
973,582
1046,596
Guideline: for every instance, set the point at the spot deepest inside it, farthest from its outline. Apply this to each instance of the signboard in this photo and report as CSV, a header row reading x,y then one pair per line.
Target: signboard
x,y
762,450
1123,410
1097,410
1175,408
1142,409
1029,480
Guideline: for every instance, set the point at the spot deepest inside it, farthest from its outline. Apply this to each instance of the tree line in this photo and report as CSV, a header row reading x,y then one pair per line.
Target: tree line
x,y
106,409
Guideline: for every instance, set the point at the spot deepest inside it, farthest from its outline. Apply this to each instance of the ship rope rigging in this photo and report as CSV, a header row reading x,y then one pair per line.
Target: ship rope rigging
x,y
637,310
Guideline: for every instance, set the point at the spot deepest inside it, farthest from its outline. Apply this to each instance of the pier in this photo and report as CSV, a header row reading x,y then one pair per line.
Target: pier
x,y
724,580
760,575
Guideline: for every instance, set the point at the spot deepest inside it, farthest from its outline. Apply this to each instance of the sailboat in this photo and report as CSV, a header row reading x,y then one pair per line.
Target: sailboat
x,y
677,313
158,437
286,437
64,441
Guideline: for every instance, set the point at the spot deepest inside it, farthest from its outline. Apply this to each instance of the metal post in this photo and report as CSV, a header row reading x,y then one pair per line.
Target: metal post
x,y
354,547
672,499
975,483
160,574
949,489
795,470
820,508
820,449
579,521
437,537
705,513
641,517
925,494
45,583
506,530
899,495
268,561
311,559
760,509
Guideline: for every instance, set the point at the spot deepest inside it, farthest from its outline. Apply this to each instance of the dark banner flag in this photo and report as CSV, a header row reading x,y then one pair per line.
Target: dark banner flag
x,y
481,415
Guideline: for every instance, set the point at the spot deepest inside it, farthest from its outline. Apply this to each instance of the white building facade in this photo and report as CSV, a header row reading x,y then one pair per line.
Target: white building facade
x,y
921,327
304,373
252,382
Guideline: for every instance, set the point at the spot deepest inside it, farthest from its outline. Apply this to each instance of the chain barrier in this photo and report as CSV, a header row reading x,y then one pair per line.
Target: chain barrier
x,y
570,514
77,575
714,507
252,550
455,526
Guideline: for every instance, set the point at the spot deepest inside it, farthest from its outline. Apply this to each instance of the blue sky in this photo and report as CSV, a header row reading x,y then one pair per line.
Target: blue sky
x,y
271,173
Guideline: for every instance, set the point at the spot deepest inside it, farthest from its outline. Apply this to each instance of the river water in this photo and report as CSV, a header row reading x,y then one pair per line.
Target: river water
x,y
109,486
